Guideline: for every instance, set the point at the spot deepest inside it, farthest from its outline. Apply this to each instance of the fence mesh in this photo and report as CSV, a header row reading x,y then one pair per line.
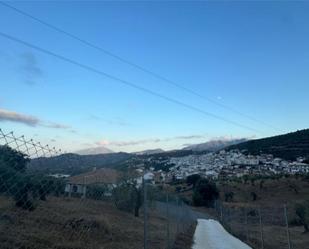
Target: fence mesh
x,y
262,226
42,210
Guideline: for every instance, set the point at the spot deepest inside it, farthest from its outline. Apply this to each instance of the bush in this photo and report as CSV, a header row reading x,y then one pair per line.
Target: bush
x,y
96,192
193,179
128,197
302,213
205,193
24,187
229,196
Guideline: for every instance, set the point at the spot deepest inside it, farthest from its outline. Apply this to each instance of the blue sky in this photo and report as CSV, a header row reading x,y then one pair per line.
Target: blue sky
x,y
250,56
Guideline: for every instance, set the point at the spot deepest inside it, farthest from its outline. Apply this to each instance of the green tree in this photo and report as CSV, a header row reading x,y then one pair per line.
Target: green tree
x,y
302,213
128,197
193,179
205,193
14,179
229,196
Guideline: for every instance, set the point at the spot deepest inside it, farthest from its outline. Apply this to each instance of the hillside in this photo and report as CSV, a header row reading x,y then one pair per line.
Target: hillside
x,y
149,152
72,223
94,151
214,145
288,146
75,164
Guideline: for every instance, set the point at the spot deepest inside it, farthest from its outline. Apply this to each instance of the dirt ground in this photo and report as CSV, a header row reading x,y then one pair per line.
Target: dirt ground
x,y
71,223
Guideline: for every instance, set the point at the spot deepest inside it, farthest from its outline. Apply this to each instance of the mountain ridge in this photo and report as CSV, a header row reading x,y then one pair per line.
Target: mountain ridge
x,y
288,146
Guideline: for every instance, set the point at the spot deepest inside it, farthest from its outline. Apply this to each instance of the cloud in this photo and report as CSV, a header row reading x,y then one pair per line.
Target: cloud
x,y
30,68
114,121
190,137
11,116
6,115
55,125
145,141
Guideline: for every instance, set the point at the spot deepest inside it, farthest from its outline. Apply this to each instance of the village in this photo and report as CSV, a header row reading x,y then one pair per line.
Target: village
x,y
166,170
225,164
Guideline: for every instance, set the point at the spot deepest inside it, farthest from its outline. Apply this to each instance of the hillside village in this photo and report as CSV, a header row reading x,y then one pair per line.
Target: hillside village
x,y
223,164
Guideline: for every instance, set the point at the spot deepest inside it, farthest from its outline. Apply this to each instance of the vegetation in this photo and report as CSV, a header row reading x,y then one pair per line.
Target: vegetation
x,y
128,197
193,179
23,186
288,146
302,212
205,193
73,164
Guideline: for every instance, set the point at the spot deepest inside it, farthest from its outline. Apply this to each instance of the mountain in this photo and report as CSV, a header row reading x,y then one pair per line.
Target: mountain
x,y
149,152
214,145
94,151
288,146
74,164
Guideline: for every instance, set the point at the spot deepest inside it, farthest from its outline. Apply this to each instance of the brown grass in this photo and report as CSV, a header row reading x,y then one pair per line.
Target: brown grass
x,y
271,198
70,223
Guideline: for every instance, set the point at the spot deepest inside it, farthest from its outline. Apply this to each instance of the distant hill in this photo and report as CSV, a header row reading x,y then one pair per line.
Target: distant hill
x,y
94,151
288,146
149,152
76,164
214,145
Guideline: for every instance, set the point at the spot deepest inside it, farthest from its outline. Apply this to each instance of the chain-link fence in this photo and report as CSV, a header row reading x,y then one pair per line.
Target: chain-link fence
x,y
98,208
263,227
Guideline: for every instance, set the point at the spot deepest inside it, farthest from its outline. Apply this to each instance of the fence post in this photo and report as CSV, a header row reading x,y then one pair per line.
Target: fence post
x,y
246,225
221,213
168,222
261,229
178,215
145,213
287,227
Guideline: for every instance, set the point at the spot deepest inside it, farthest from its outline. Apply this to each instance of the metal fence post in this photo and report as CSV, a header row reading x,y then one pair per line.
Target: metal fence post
x,y
178,214
167,222
246,225
221,212
287,227
145,214
261,229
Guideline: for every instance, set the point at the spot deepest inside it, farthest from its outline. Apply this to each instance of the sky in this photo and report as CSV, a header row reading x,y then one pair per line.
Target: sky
x,y
242,68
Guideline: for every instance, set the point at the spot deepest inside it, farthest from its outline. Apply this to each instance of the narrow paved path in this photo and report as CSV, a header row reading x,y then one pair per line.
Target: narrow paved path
x,y
210,234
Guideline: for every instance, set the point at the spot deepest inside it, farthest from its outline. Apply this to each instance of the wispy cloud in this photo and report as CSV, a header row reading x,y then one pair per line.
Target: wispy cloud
x,y
6,115
55,125
30,68
11,116
105,142
110,121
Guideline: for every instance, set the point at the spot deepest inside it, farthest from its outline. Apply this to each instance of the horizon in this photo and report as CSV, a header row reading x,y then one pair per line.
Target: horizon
x,y
226,70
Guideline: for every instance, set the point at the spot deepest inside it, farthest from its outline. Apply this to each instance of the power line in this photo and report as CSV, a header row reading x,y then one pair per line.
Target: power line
x,y
124,82
143,69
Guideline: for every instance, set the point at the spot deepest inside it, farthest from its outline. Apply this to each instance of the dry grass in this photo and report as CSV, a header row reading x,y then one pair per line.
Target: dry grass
x,y
69,223
271,197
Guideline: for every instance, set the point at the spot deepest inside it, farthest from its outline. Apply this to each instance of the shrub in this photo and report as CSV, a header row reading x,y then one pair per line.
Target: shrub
x,y
205,193
193,179
302,213
228,196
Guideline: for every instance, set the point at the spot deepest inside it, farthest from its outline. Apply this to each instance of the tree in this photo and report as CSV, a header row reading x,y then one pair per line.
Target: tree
x,y
262,184
302,213
193,179
128,197
228,196
13,159
205,192
14,179
253,196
